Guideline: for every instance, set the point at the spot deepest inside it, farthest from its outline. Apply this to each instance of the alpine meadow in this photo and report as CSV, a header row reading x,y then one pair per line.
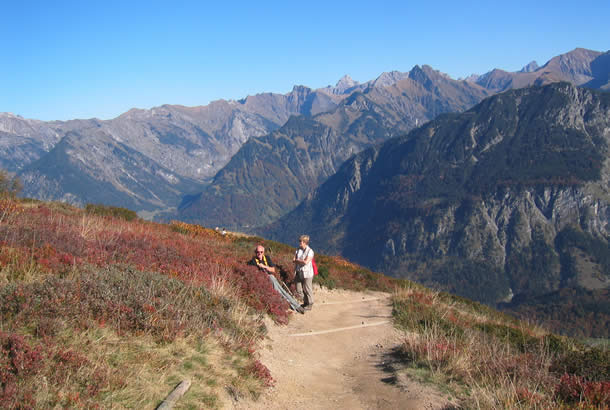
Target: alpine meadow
x,y
460,230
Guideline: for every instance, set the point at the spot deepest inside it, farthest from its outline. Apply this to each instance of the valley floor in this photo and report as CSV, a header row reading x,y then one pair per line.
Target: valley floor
x,y
339,355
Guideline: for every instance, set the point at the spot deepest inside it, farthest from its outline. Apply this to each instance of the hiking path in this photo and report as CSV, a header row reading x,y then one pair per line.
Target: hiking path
x,y
339,356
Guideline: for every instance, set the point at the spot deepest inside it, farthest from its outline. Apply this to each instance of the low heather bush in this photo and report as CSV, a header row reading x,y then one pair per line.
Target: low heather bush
x,y
113,211
575,390
129,301
18,361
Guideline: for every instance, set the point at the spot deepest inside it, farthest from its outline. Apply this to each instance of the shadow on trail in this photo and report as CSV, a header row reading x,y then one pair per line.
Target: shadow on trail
x,y
392,362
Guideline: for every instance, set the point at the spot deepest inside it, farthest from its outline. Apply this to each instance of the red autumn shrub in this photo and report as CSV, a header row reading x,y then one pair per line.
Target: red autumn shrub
x,y
258,290
573,389
18,360
262,373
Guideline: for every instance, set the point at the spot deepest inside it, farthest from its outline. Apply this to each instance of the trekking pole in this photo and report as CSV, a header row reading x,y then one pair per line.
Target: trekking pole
x,y
286,288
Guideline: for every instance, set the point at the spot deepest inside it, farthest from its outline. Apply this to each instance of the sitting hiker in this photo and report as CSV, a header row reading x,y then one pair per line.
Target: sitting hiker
x,y
265,264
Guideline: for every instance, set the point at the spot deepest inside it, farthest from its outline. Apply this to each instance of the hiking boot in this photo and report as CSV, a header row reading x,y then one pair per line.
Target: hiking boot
x,y
301,310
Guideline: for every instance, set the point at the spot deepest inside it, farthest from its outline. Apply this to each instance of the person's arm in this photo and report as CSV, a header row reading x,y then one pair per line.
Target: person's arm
x,y
271,267
309,257
268,269
295,256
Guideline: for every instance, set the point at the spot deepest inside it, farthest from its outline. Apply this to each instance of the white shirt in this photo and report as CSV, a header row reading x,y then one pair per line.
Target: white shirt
x,y
304,254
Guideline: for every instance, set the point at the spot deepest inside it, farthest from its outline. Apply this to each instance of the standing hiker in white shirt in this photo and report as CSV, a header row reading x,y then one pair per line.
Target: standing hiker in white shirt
x,y
304,271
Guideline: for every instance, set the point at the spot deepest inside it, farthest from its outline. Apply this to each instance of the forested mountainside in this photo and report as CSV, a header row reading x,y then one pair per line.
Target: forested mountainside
x,y
271,174
508,201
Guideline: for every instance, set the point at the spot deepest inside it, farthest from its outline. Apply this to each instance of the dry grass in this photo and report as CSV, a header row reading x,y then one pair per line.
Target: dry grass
x,y
144,372
485,358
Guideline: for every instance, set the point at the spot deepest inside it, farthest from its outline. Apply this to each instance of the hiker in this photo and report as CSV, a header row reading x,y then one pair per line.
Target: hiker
x,y
303,270
265,264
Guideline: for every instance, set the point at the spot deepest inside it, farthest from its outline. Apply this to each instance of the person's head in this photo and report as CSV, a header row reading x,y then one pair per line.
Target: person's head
x,y
259,251
303,241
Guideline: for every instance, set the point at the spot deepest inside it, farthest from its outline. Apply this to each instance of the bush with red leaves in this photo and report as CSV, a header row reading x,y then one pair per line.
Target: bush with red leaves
x,y
573,389
18,360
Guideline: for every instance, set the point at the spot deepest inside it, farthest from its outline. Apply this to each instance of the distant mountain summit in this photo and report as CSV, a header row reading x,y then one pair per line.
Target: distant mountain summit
x,y
574,66
580,66
345,85
388,78
528,68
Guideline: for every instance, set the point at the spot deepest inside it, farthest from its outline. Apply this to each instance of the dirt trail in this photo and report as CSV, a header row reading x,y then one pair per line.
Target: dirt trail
x,y
337,356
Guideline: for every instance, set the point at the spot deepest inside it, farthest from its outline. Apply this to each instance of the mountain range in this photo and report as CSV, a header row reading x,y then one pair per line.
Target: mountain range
x,y
175,149
179,150
271,174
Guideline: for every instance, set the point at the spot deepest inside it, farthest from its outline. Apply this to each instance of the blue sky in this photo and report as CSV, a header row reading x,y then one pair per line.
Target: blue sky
x,y
64,60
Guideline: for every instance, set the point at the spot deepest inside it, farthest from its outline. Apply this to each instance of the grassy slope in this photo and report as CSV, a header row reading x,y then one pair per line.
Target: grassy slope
x,y
96,310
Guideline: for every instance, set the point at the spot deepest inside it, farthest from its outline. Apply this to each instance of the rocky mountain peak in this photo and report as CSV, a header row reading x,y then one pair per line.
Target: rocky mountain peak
x,y
574,65
17,125
472,78
344,86
387,79
346,82
426,76
530,67
300,89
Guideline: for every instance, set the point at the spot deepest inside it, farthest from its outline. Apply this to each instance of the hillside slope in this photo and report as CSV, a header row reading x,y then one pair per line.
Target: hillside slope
x,y
102,309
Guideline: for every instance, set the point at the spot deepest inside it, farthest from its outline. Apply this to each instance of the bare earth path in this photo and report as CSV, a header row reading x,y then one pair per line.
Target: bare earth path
x,y
337,356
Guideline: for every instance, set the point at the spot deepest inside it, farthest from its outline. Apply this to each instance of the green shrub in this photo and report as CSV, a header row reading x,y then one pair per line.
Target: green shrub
x,y
514,337
324,277
593,364
114,211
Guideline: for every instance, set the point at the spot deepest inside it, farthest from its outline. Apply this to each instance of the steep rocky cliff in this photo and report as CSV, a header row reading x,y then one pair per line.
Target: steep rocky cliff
x,y
507,200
